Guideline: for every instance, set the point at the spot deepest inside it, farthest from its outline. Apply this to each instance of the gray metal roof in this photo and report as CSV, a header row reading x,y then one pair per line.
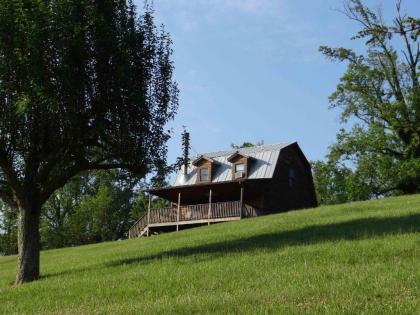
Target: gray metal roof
x,y
265,160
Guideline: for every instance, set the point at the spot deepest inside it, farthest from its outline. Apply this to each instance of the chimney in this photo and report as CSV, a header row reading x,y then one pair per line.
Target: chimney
x,y
186,147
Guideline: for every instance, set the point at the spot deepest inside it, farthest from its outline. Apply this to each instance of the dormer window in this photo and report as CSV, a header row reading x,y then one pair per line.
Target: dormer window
x,y
240,165
205,168
204,174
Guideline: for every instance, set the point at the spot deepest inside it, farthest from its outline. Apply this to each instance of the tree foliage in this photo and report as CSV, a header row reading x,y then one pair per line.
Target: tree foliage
x,y
246,144
84,85
379,95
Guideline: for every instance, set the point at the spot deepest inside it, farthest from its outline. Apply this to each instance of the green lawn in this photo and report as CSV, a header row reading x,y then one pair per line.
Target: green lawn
x,y
358,258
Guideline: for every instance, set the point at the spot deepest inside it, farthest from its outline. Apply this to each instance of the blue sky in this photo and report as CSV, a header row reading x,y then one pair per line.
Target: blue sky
x,y
250,70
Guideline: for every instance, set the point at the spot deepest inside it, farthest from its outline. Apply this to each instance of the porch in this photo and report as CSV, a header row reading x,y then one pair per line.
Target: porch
x,y
190,215
218,207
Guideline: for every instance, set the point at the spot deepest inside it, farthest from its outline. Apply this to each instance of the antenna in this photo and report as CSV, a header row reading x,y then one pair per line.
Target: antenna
x,y
186,149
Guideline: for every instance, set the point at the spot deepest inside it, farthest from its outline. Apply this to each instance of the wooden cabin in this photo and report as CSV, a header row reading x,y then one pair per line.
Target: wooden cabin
x,y
231,185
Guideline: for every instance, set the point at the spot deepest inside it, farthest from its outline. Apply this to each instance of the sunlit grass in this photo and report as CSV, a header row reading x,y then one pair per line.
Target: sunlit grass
x,y
359,258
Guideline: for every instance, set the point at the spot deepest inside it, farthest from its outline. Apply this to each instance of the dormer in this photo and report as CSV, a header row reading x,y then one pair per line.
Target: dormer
x,y
240,165
204,167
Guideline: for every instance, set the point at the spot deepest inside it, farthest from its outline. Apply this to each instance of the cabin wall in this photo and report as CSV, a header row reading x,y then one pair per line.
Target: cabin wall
x,y
255,193
286,192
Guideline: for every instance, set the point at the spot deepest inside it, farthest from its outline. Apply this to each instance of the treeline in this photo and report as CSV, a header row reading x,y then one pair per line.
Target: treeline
x,y
93,207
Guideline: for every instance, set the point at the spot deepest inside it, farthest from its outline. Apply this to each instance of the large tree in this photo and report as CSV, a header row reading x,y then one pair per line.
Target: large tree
x,y
379,95
84,85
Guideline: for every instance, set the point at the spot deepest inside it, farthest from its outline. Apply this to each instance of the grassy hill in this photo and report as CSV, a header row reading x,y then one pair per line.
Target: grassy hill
x,y
358,258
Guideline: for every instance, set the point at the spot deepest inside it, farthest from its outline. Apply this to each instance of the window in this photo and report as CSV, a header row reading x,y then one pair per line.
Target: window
x,y
240,167
238,170
204,174
292,177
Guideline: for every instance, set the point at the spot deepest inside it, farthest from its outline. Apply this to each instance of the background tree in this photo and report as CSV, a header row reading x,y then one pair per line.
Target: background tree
x,y
141,204
8,230
380,92
336,183
91,208
105,213
57,212
246,144
83,85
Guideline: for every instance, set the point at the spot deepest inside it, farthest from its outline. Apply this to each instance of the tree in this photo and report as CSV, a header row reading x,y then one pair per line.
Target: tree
x,y
141,204
246,145
57,213
380,93
105,213
84,85
336,183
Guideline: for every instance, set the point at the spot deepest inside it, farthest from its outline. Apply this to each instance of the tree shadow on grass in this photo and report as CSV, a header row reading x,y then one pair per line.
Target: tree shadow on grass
x,y
71,271
350,230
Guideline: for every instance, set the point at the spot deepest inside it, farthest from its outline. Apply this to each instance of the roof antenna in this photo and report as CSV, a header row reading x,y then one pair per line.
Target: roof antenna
x,y
186,148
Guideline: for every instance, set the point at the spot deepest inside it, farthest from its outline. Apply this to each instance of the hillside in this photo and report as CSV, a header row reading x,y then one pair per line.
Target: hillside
x,y
348,259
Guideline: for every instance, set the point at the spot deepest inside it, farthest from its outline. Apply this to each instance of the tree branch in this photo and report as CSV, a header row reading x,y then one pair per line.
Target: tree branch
x,y
61,180
411,60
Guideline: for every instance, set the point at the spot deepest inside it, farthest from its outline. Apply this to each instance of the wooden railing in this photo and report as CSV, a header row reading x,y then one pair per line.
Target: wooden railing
x,y
137,229
199,212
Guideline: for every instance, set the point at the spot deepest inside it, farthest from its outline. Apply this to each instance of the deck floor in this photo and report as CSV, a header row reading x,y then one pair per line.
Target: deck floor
x,y
203,221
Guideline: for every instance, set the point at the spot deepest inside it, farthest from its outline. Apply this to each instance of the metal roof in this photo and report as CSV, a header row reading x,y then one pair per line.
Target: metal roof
x,y
265,161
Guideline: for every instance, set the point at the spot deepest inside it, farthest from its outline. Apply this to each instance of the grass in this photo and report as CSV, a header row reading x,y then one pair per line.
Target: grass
x,y
358,258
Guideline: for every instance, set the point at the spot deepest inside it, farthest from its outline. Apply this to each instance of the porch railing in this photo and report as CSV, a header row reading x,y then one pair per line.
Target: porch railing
x,y
199,212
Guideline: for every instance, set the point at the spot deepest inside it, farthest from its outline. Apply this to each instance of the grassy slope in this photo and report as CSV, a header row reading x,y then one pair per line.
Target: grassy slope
x,y
351,259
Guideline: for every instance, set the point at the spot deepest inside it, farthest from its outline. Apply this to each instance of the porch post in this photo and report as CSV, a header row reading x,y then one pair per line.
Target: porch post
x,y
177,212
241,204
209,214
148,213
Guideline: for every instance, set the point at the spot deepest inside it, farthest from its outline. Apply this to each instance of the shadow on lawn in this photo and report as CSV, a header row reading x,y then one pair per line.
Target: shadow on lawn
x,y
351,230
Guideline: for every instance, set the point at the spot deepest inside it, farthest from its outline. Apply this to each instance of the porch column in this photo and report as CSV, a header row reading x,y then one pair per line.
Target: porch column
x,y
177,212
209,214
241,203
148,213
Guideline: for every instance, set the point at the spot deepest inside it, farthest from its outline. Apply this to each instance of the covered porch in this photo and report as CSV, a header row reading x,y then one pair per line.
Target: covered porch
x,y
195,205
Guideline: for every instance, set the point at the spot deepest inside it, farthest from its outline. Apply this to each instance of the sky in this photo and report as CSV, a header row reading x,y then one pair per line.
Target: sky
x,y
250,70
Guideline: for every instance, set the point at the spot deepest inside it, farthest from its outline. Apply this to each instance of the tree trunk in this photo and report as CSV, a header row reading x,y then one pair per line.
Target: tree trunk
x,y
28,242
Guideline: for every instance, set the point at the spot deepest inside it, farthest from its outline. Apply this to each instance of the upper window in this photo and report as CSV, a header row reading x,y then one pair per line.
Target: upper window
x,y
292,177
204,174
239,170
240,167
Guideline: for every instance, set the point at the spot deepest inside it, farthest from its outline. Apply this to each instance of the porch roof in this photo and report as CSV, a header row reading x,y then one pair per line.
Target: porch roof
x,y
199,193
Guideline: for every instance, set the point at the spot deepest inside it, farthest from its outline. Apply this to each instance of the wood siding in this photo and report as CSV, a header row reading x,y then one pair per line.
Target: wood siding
x,y
279,195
